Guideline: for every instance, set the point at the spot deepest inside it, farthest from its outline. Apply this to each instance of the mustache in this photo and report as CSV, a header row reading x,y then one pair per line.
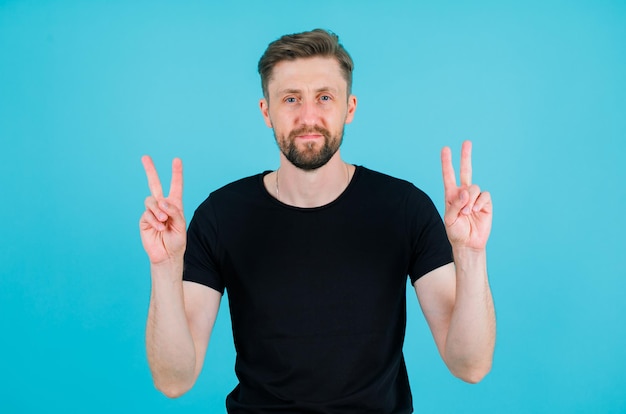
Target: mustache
x,y
304,130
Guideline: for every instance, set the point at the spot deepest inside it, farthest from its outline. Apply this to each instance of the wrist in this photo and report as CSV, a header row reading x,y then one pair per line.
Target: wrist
x,y
468,257
167,270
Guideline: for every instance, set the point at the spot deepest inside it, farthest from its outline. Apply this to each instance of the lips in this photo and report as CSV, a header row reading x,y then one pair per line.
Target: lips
x,y
310,136
315,132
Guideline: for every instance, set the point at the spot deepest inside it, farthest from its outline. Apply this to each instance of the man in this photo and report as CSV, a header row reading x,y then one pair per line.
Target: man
x,y
315,257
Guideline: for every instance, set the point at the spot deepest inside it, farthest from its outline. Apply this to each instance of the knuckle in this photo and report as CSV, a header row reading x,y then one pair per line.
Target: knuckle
x,y
148,217
149,201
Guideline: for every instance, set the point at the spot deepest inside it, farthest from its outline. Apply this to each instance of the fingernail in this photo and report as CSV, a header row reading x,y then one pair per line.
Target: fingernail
x,y
466,210
165,205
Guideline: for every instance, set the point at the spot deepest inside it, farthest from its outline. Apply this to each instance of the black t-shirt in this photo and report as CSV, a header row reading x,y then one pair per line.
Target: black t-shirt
x,y
317,295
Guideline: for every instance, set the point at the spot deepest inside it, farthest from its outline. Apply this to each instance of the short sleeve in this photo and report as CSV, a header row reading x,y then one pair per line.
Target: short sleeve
x,y
202,254
430,247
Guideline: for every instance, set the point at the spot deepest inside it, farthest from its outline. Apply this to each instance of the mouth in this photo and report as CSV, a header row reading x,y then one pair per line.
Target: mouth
x,y
310,136
314,133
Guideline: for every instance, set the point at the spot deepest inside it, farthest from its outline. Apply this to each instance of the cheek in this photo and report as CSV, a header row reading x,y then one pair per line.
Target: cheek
x,y
282,121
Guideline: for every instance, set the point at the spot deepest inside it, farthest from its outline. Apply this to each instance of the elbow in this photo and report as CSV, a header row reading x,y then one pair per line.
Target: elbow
x,y
172,390
470,366
472,374
173,383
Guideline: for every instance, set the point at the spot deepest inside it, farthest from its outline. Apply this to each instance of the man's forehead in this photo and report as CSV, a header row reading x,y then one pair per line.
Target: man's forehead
x,y
315,72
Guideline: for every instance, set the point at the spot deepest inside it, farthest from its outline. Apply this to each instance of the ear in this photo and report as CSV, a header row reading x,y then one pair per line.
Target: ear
x,y
351,108
265,111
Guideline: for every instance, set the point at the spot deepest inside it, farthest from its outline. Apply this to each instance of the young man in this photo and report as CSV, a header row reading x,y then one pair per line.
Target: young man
x,y
315,257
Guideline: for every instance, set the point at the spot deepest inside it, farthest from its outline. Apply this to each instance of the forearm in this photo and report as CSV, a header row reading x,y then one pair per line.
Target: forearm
x,y
471,336
169,344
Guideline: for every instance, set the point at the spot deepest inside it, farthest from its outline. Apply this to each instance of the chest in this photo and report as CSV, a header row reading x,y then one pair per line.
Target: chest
x,y
312,274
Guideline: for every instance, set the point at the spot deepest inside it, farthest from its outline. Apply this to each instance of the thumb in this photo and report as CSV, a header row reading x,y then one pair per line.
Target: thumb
x,y
175,214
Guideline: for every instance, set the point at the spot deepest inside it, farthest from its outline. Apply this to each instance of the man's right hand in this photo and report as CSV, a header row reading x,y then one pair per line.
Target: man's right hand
x,y
162,226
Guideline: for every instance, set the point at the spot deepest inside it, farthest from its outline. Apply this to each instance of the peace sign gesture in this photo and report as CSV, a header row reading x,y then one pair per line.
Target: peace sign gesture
x,y
162,226
469,211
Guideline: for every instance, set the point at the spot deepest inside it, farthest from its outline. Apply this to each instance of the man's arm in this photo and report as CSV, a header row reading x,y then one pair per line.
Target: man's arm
x,y
180,321
181,314
456,298
457,304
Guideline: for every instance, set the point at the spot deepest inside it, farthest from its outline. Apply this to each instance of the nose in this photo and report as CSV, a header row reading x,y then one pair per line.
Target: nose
x,y
309,113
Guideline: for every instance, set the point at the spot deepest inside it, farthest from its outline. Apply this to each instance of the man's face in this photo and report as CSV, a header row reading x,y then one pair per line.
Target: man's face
x,y
308,108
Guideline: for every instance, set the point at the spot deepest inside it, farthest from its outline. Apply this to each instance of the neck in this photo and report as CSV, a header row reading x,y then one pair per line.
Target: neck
x,y
307,189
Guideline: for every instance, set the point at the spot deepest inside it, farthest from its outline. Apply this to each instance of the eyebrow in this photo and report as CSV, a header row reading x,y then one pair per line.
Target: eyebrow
x,y
322,89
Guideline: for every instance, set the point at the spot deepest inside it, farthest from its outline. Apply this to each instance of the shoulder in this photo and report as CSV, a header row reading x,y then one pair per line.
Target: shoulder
x,y
384,185
243,185
235,193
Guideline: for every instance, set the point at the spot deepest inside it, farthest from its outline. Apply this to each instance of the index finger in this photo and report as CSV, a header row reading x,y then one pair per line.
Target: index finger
x,y
466,164
447,170
153,178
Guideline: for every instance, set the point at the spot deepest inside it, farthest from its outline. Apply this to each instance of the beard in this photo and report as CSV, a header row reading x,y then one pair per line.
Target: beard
x,y
311,157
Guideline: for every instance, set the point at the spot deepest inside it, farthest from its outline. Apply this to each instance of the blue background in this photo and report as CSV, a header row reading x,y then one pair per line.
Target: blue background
x,y
86,88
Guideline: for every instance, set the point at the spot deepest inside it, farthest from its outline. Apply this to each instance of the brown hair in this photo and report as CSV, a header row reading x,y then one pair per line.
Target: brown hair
x,y
317,42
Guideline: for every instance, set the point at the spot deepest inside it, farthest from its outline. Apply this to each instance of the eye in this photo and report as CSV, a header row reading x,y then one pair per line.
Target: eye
x,y
325,98
290,99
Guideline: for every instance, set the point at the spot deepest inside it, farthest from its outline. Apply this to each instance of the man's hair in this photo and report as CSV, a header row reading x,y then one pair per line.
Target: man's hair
x,y
317,42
